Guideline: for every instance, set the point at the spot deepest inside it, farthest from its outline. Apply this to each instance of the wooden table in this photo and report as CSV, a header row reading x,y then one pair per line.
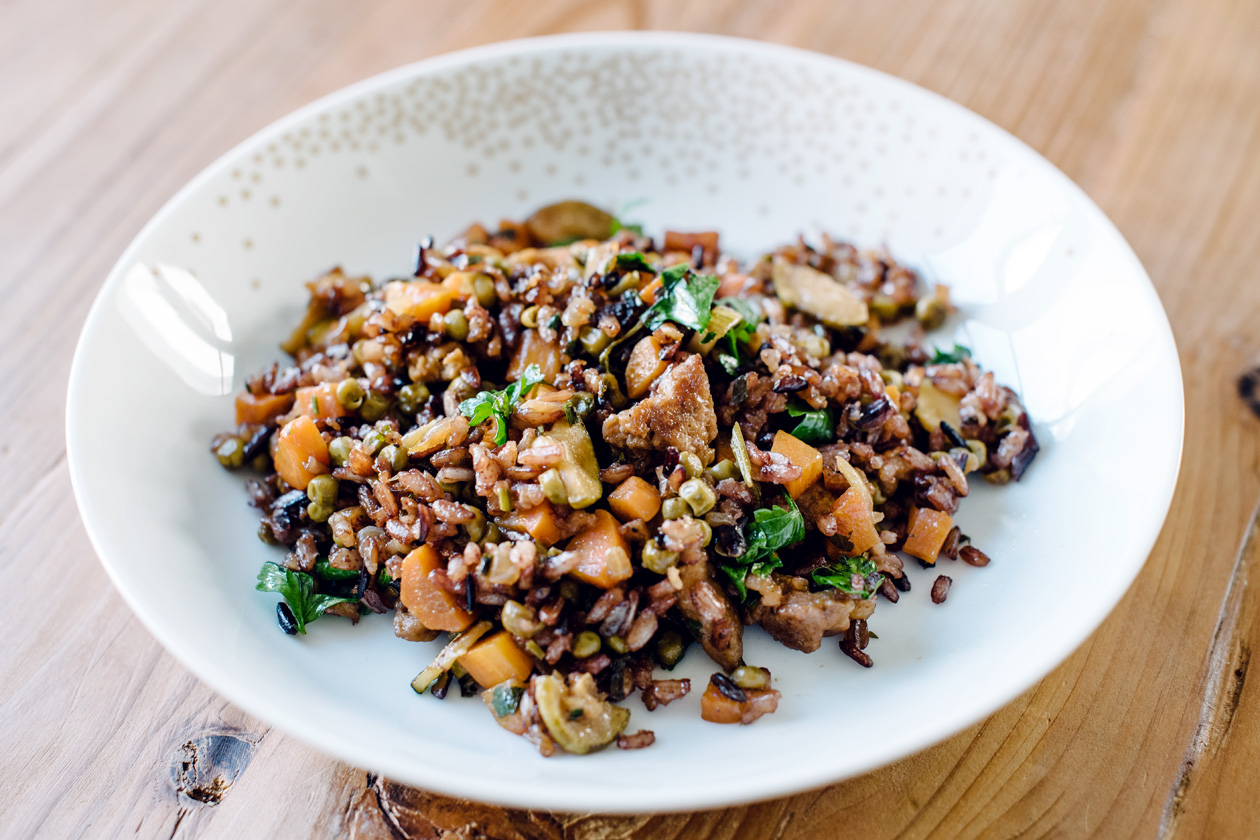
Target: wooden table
x,y
1151,728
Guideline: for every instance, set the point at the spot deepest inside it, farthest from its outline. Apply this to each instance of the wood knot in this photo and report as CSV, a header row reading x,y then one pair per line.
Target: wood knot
x,y
1249,389
207,766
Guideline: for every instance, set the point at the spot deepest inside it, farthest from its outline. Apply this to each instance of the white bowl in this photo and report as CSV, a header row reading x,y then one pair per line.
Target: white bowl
x,y
758,141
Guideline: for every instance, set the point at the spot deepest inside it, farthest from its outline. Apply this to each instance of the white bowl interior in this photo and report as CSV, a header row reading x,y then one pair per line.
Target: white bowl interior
x,y
759,142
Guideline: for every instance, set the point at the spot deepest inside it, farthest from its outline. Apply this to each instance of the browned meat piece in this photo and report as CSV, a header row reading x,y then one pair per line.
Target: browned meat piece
x,y
407,626
702,600
799,619
679,413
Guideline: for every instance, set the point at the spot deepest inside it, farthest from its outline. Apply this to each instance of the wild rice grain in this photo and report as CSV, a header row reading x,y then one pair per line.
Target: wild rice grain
x,y
637,741
973,556
940,588
855,653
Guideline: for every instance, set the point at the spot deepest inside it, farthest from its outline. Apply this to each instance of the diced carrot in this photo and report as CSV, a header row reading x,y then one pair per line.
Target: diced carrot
x,y
459,284
649,292
731,285
263,409
804,456
894,395
436,608
716,707
496,659
318,401
644,367
679,241
419,298
928,529
604,554
853,521
539,522
535,351
297,442
635,499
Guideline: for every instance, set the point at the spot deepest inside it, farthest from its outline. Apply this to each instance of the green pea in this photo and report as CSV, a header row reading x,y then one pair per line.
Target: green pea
x,y
231,453
456,324
699,495
618,644
265,534
318,512
322,491
483,287
658,559
350,394
675,508
411,398
884,307
586,644
374,406
722,469
529,317
373,441
930,312
396,457
339,450
594,340
261,463
669,648
707,530
747,676
981,453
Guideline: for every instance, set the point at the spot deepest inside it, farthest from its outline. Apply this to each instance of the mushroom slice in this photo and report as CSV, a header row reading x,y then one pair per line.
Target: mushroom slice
x,y
818,294
567,221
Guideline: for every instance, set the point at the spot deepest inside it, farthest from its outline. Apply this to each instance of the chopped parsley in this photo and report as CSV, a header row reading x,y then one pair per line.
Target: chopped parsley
x,y
739,334
632,261
325,570
298,591
816,426
943,357
499,404
855,575
618,225
771,529
686,298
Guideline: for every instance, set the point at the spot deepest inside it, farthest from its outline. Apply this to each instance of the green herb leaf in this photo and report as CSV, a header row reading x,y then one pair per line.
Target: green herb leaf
x,y
852,574
942,357
816,426
499,404
741,333
771,529
737,573
329,572
505,699
618,225
687,299
632,261
298,591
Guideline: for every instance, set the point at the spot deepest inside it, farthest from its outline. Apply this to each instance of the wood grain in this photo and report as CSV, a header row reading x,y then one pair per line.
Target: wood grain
x,y
1151,729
